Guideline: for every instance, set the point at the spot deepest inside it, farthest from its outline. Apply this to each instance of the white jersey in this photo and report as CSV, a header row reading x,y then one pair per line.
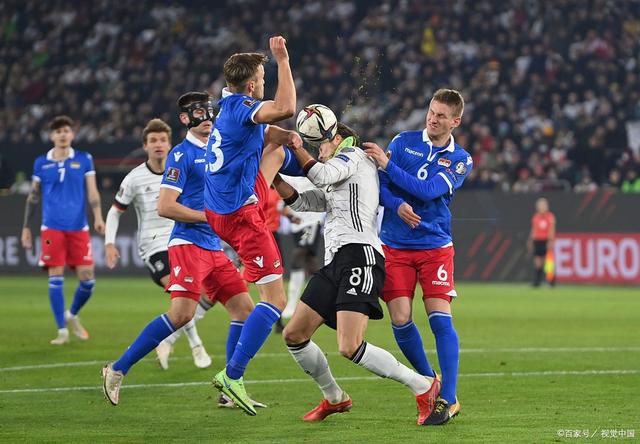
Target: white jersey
x,y
348,190
307,219
142,188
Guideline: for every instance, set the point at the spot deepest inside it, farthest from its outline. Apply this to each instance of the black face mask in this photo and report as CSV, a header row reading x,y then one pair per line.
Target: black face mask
x,y
207,110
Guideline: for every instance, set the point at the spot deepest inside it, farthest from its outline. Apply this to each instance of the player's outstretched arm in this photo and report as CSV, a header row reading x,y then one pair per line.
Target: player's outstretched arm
x,y
94,203
30,209
284,104
169,207
312,200
111,252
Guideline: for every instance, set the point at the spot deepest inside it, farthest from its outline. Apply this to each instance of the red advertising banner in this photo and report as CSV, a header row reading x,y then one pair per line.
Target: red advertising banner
x,y
608,258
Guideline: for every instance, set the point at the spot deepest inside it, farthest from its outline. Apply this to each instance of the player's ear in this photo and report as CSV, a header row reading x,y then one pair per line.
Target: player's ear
x,y
184,118
456,121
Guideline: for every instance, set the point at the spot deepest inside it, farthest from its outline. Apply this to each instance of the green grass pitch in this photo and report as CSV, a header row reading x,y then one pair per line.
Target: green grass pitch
x,y
534,364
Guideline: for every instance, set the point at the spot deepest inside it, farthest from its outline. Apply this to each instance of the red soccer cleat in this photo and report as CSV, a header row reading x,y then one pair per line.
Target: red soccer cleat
x,y
427,401
325,408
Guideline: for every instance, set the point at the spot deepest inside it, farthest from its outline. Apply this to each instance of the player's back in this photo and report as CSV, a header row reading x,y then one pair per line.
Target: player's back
x,y
234,151
63,187
185,173
413,152
141,187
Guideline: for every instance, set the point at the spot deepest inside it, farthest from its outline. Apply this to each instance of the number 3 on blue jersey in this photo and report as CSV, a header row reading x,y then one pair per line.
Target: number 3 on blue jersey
x,y
212,167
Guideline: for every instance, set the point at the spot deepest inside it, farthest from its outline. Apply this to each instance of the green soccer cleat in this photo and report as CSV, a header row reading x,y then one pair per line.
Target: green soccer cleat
x,y
234,389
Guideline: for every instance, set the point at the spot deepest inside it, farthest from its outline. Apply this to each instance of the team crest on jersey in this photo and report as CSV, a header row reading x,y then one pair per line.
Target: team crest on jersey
x,y
249,102
444,162
460,168
75,165
173,174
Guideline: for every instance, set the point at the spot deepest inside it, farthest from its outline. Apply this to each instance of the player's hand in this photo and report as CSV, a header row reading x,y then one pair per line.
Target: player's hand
x,y
111,255
295,141
377,154
98,225
278,46
26,239
405,211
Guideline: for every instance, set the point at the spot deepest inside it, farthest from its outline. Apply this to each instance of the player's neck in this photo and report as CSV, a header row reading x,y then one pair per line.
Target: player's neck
x,y
202,139
157,165
61,152
442,140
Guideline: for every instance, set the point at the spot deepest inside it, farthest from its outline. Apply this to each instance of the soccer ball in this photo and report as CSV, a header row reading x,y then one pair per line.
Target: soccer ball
x,y
316,124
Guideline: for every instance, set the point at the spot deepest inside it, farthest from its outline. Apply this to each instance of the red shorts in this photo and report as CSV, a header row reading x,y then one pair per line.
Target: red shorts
x,y
246,231
262,191
195,270
59,248
433,268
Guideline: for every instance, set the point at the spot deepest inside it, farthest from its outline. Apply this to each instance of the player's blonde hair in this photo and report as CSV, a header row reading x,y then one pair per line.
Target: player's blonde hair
x,y
452,98
155,126
241,67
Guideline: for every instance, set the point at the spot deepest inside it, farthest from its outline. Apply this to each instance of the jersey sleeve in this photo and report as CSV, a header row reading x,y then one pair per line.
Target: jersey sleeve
x,y
459,171
175,173
245,110
37,170
337,169
310,200
125,194
89,169
387,199
291,166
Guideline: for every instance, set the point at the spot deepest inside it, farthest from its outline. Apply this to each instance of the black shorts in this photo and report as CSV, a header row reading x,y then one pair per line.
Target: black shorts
x,y
351,282
158,265
540,248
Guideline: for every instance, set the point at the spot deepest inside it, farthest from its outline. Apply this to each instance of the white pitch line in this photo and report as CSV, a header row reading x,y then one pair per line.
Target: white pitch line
x,y
284,355
346,378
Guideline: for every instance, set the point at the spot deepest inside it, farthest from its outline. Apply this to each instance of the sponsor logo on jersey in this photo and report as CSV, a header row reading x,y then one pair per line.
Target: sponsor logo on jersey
x,y
460,168
75,165
177,155
147,189
48,165
444,283
173,174
342,157
414,152
199,161
176,270
259,260
249,102
352,292
444,162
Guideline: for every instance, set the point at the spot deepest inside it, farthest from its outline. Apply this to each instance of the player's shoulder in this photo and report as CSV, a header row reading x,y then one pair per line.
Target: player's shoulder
x,y
459,154
407,136
139,171
237,100
79,154
179,151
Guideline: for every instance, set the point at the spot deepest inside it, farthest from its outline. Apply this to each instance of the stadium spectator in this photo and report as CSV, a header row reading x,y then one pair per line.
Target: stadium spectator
x,y
551,86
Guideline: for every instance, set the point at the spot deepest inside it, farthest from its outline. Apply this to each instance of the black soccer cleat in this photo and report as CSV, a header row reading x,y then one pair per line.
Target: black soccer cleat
x,y
442,412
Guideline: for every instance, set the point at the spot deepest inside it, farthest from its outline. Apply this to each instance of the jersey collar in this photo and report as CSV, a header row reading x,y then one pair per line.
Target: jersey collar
x,y
451,147
226,92
50,155
194,140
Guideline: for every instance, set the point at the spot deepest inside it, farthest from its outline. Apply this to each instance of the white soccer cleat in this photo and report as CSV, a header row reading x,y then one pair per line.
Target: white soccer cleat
x,y
111,382
163,350
62,338
76,326
200,357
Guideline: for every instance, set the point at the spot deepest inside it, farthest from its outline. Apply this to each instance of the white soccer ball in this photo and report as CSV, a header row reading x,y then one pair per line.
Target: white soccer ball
x,y
316,124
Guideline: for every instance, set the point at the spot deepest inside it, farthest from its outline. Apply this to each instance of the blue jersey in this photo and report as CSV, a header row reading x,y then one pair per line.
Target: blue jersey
x,y
233,154
425,177
185,173
63,189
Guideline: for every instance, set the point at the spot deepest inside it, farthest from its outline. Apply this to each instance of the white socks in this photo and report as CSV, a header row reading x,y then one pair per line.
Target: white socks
x,y
314,363
296,284
384,364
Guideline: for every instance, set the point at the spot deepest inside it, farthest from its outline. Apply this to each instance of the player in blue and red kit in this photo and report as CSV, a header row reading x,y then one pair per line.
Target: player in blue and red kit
x,y
65,178
197,261
421,172
234,188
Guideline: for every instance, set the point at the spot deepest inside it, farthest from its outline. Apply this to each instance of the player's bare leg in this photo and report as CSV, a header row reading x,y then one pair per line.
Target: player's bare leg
x,y
447,405
272,158
56,300
297,335
351,329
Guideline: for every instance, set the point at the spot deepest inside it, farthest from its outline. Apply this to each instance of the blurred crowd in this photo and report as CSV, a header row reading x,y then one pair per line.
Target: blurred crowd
x,y
552,88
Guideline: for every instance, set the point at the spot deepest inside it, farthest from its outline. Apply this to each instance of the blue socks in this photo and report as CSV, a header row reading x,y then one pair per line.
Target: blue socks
x,y
254,333
448,349
235,328
82,295
56,299
149,338
410,342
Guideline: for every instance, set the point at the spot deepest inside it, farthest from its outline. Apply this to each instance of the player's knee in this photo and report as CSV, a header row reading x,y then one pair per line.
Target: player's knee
x,y
347,348
86,274
179,317
292,336
400,318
